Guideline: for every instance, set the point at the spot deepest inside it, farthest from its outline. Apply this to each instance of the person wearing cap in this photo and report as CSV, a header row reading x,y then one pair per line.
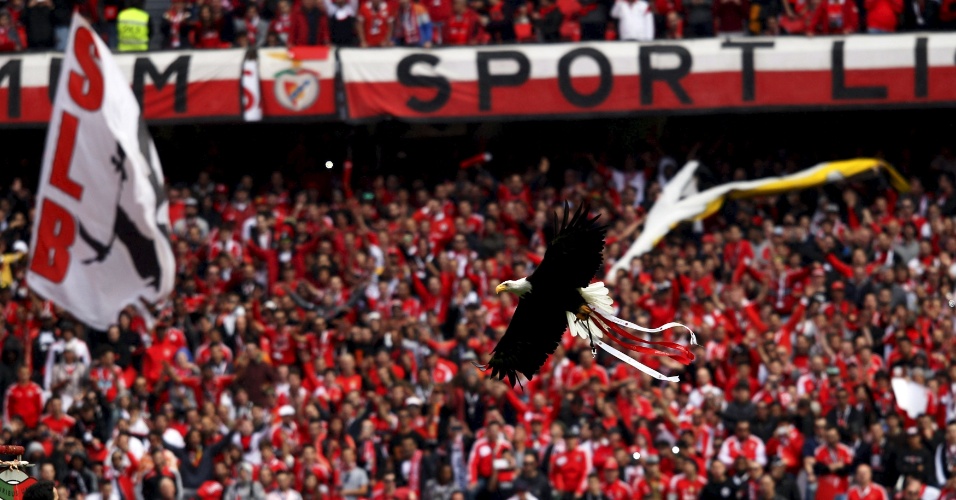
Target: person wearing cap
x,y
611,483
286,430
191,218
66,377
570,467
914,460
832,465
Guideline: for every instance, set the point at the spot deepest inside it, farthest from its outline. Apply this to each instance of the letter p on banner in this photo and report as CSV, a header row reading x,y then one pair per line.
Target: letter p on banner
x,y
101,235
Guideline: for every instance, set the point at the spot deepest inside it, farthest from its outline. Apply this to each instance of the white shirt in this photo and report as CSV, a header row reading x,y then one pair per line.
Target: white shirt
x,y
287,495
635,20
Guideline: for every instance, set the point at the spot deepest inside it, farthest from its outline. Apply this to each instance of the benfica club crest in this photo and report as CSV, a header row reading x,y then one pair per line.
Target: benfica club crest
x,y
296,89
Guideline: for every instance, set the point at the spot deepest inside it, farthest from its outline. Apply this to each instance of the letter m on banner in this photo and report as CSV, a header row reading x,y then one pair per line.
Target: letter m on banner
x,y
101,234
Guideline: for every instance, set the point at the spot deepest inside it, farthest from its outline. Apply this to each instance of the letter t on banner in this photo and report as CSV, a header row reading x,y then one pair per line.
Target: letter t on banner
x,y
101,236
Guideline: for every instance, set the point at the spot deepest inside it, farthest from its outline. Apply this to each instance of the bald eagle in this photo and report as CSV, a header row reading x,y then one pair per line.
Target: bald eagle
x,y
559,295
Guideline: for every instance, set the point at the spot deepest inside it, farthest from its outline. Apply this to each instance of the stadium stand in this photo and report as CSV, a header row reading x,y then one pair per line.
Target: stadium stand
x,y
42,24
320,344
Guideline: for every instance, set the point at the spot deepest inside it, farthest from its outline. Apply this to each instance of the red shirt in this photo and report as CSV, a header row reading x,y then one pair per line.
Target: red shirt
x,y
569,471
60,425
153,360
828,456
871,492
619,490
835,17
482,457
462,29
25,401
299,34
375,21
7,43
107,380
687,489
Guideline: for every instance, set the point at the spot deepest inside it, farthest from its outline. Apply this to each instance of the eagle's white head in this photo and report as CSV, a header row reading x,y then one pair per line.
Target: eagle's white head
x,y
517,287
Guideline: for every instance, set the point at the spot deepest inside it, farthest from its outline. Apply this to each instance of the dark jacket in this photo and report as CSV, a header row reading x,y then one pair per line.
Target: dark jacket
x,y
848,423
194,474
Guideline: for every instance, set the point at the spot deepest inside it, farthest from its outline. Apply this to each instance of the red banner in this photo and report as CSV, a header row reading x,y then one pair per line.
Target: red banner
x,y
599,79
298,82
171,86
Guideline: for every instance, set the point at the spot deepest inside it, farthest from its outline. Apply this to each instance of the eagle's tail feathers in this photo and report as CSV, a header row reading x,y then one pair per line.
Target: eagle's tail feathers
x,y
598,297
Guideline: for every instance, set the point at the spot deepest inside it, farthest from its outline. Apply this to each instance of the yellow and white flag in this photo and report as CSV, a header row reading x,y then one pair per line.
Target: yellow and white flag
x,y
680,202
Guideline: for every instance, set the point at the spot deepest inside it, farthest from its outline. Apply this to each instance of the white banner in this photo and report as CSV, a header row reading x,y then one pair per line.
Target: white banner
x,y
251,96
100,239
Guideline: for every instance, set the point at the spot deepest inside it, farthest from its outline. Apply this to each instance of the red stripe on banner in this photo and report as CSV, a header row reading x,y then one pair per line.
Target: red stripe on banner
x,y
279,102
35,106
310,53
216,98
705,90
206,99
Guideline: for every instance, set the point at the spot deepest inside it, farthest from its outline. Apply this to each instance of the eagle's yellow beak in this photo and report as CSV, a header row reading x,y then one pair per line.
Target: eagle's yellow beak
x,y
500,288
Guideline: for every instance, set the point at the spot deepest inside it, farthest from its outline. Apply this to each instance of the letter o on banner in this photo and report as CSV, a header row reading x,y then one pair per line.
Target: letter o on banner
x,y
606,82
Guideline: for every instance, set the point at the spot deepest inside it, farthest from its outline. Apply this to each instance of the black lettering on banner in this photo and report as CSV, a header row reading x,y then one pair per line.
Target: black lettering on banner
x,y
11,72
921,71
748,90
838,77
54,78
144,66
488,81
567,88
439,83
671,76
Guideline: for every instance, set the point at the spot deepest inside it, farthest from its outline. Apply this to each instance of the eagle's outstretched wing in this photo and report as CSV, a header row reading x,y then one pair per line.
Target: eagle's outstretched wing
x,y
574,255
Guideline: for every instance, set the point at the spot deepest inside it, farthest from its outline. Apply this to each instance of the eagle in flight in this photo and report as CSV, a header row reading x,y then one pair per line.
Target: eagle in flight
x,y
559,295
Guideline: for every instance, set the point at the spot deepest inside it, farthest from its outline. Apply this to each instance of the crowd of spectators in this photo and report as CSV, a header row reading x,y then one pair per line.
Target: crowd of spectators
x,y
323,346
43,24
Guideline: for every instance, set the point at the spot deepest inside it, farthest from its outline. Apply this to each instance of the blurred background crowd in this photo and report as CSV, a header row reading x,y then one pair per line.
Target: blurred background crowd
x,y
136,25
322,337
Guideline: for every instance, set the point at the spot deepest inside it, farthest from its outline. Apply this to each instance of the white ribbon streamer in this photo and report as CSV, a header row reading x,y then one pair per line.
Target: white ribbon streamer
x,y
668,326
633,362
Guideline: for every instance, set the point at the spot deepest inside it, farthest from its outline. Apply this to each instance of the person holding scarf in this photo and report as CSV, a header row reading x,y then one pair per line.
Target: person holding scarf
x,y
413,26
175,26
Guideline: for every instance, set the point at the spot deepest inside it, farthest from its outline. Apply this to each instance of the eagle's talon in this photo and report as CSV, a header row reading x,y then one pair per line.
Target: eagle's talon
x,y
583,313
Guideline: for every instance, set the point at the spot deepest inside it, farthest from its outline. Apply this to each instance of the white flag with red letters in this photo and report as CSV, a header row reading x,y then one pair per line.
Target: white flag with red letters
x,y
101,232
